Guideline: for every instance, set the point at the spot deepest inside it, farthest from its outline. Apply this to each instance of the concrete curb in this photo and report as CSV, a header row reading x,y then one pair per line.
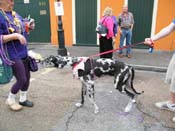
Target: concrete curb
x,y
150,68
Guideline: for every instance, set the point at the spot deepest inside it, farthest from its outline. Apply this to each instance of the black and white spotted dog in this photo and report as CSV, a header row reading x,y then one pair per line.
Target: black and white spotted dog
x,y
86,69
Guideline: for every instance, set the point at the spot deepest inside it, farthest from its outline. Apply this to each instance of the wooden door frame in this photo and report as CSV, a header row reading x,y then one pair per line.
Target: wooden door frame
x,y
74,20
154,17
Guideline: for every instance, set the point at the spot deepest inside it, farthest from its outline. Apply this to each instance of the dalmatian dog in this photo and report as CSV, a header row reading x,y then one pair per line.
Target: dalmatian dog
x,y
85,69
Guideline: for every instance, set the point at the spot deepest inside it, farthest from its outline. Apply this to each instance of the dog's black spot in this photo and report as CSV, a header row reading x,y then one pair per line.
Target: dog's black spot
x,y
81,73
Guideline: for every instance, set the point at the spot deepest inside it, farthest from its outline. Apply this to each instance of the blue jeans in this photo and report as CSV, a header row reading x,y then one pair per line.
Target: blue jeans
x,y
128,35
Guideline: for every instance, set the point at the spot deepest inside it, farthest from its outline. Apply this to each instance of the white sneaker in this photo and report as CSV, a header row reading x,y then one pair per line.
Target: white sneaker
x,y
173,119
165,105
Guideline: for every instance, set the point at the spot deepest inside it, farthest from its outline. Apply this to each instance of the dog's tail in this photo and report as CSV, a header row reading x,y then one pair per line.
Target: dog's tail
x,y
132,79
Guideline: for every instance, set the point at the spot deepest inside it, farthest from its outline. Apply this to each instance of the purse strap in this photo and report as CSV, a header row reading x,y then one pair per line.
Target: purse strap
x,y
103,20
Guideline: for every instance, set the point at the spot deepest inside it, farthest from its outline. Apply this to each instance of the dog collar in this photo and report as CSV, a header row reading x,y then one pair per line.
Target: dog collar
x,y
77,63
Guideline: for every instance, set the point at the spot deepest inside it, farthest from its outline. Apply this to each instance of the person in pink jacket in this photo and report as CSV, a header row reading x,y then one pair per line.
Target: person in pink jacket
x,y
106,42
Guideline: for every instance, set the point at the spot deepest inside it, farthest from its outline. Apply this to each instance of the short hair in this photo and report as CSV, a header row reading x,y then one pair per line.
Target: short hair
x,y
107,11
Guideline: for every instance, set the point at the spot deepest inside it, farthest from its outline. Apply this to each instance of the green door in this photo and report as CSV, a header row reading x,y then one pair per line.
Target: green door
x,y
39,10
86,21
142,11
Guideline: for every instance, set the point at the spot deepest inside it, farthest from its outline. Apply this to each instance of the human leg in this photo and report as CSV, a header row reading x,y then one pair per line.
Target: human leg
x,y
128,42
19,73
102,46
24,90
122,38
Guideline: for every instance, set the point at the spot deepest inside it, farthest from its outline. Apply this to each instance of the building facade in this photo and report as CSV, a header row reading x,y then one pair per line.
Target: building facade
x,y
81,17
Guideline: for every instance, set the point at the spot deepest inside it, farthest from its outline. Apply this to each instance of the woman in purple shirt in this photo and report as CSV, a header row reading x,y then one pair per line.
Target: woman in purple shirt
x,y
14,35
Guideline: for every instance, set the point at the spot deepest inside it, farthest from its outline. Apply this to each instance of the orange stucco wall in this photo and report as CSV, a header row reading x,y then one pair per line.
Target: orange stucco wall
x,y
53,25
165,15
67,22
117,8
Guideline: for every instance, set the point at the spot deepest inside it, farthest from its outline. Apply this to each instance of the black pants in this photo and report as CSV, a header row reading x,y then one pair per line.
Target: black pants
x,y
106,45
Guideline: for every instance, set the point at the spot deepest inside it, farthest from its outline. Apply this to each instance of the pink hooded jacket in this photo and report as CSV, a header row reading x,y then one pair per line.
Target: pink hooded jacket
x,y
109,23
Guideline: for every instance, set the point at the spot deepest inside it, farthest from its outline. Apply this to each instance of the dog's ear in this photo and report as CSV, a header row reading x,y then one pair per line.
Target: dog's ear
x,y
81,72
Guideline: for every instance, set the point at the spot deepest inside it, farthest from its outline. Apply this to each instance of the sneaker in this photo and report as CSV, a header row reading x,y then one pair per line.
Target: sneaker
x,y
14,106
173,119
26,103
165,105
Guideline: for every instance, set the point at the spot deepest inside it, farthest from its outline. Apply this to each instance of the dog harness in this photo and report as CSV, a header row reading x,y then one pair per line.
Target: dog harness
x,y
79,65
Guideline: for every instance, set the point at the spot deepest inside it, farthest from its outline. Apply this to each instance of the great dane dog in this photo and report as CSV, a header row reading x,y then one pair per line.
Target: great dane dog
x,y
86,69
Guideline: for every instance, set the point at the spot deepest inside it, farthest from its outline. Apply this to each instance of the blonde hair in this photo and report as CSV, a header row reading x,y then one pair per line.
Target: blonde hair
x,y
107,11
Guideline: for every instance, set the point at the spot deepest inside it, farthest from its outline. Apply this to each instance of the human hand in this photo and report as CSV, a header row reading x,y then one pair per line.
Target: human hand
x,y
21,38
149,41
113,39
120,32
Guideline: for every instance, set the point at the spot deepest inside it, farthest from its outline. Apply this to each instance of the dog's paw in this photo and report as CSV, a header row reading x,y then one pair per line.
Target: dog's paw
x,y
134,101
128,107
78,105
96,111
127,110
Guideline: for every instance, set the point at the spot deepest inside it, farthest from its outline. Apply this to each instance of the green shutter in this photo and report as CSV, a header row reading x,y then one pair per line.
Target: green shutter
x,y
142,11
86,21
39,10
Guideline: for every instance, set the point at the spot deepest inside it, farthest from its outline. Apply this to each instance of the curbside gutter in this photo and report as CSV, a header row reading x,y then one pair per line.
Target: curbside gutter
x,y
149,68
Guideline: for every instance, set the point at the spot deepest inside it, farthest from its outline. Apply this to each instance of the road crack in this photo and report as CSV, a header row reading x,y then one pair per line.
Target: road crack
x,y
69,118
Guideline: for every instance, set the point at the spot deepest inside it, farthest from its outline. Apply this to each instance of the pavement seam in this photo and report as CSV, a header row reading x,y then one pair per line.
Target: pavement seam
x,y
69,118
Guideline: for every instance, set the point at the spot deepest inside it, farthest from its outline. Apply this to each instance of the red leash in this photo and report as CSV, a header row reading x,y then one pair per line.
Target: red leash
x,y
110,51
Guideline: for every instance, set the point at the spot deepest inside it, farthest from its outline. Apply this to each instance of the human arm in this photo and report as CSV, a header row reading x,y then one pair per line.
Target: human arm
x,y
115,26
132,21
119,20
6,36
132,26
110,27
14,36
163,33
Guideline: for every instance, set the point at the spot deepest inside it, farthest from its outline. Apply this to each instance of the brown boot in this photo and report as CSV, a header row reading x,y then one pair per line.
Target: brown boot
x,y
129,56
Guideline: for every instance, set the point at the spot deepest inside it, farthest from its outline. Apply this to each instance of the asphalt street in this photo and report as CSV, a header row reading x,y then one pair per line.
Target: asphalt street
x,y
55,94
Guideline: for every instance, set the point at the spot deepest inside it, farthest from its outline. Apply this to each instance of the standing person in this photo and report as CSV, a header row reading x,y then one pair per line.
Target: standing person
x,y
14,38
115,29
170,75
106,43
126,24
115,26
